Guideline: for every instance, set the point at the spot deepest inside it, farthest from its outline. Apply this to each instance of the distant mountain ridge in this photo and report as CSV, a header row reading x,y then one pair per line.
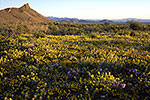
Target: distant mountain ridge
x,y
76,20
22,14
132,19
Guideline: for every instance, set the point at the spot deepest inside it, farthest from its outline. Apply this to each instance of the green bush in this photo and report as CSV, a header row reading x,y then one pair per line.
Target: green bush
x,y
93,36
39,34
132,34
134,25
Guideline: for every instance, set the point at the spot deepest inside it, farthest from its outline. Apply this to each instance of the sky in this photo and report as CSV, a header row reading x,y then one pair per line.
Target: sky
x,y
86,9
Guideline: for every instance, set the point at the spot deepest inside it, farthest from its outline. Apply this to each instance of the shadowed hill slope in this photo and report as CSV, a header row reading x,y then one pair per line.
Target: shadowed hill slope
x,y
22,14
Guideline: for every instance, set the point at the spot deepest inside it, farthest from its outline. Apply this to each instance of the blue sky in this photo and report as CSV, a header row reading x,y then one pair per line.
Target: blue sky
x,y
86,9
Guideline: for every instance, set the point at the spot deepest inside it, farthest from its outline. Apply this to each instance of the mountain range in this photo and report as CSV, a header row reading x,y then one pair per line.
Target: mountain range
x,y
76,20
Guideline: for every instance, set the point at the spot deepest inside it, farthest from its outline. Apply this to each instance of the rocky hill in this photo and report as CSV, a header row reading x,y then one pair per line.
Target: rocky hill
x,y
22,14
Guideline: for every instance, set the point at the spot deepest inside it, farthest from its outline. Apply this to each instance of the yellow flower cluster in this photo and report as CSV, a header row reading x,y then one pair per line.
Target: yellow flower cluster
x,y
75,67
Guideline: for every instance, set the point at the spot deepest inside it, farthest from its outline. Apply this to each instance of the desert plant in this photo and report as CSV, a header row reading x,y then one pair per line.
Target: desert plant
x,y
39,34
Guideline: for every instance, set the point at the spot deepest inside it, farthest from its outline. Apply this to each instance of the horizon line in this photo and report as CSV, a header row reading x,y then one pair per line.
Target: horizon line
x,y
102,18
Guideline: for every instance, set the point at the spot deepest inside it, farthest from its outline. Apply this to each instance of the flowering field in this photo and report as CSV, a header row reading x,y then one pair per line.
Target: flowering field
x,y
107,66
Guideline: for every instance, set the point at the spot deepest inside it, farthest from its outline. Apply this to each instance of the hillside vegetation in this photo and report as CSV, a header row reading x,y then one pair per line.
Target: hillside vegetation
x,y
66,61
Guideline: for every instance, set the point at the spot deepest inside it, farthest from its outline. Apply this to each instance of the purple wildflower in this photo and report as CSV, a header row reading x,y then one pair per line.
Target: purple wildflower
x,y
77,73
133,70
136,75
69,73
71,57
137,72
66,68
30,50
135,53
123,85
114,84
77,70
57,64
61,66
73,70
53,65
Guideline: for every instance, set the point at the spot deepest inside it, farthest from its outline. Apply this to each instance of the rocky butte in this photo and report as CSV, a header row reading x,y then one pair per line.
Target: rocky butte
x,y
22,14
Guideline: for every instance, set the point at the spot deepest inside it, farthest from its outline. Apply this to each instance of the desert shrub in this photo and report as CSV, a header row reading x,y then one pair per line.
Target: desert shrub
x,y
106,23
132,34
92,35
53,27
134,25
39,34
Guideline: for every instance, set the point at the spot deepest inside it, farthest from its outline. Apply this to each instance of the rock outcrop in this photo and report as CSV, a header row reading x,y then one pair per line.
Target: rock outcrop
x,y
22,14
